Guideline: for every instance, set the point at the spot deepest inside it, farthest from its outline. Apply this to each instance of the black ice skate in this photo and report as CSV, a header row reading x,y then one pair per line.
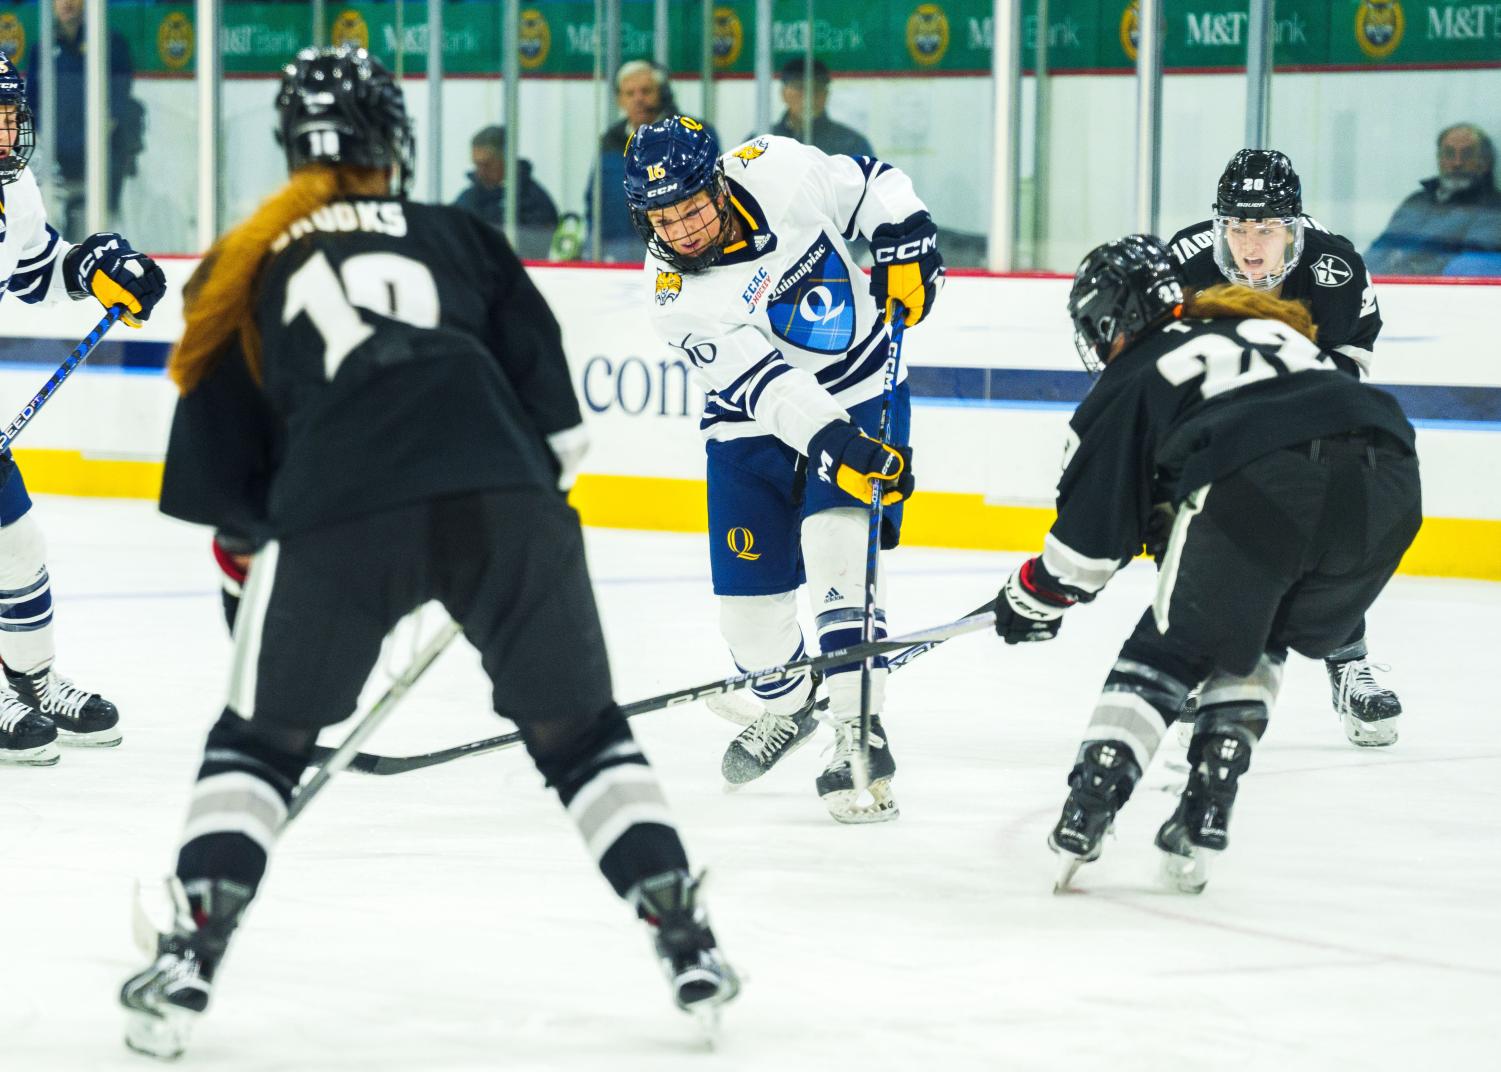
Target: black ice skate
x,y
1200,827
700,979
1100,783
163,1002
1369,712
83,718
836,785
1186,718
765,742
26,738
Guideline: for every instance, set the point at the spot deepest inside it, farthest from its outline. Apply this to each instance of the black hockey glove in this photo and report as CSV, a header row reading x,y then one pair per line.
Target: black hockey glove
x,y
1159,529
233,554
843,455
1030,607
105,266
908,269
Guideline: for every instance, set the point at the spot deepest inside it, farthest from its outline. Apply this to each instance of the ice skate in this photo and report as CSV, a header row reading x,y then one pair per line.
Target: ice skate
x,y
765,742
700,978
1369,712
83,718
163,1002
836,785
1187,717
1099,784
1200,827
27,738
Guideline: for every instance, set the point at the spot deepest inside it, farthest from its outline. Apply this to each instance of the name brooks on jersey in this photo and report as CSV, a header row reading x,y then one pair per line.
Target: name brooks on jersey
x,y
377,217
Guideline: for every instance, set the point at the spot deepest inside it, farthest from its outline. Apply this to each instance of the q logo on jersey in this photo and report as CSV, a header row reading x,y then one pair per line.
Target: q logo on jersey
x,y
741,540
1378,27
813,304
1330,271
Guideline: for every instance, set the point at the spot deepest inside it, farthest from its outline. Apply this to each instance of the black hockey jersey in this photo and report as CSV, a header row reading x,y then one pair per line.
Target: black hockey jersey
x,y
1180,408
1330,277
406,355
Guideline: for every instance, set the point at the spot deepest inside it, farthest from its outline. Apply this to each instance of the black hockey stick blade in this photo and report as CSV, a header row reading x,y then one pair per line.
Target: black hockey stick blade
x,y
374,764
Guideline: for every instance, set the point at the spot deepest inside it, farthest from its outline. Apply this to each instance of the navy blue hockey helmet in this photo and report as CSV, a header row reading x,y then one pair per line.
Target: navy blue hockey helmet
x,y
668,162
1258,219
1123,287
341,106
15,120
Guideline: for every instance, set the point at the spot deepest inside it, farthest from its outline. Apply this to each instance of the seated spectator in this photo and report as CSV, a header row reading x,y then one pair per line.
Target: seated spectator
x,y
644,94
536,216
1457,213
830,136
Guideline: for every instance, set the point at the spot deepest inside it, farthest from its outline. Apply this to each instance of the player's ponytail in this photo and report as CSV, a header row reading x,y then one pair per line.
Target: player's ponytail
x,y
1232,302
219,297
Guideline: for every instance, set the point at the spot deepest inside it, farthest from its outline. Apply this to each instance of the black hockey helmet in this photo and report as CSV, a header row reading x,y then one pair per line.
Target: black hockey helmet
x,y
341,106
1259,197
1123,287
666,162
15,118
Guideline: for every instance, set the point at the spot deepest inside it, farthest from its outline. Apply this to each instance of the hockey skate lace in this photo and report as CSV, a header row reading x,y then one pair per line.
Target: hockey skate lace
x,y
64,698
12,711
1357,682
767,733
846,740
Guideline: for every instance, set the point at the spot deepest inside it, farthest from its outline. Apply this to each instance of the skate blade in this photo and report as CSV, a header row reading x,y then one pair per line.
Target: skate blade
x,y
45,755
845,807
1068,867
1370,734
1186,874
163,1036
97,739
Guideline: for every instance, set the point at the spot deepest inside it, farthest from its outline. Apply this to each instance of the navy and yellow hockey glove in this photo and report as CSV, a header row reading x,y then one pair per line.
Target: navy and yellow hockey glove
x,y
1030,607
909,269
105,266
842,455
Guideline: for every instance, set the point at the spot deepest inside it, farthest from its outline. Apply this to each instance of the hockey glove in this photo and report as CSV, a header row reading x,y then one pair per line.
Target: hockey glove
x,y
105,266
908,268
569,447
1030,608
841,454
1159,530
233,554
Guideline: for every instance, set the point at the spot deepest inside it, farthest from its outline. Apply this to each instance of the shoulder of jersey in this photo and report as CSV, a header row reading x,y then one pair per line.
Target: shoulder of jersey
x,y
22,194
1318,238
1192,242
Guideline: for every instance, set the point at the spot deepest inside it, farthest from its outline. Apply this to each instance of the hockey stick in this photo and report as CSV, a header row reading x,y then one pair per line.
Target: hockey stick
x,y
860,761
374,764
733,708
76,358
332,762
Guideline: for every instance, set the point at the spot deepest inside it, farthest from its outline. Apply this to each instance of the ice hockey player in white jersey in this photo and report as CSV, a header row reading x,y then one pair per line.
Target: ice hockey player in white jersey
x,y
38,267
752,282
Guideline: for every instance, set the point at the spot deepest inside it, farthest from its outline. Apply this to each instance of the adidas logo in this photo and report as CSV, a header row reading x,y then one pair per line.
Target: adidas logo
x,y
832,597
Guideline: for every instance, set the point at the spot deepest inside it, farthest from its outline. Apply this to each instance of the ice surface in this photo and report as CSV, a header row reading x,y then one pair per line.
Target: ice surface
x,y
450,919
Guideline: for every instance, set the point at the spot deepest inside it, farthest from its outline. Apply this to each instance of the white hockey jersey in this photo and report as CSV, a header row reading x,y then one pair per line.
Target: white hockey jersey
x,y
31,252
782,332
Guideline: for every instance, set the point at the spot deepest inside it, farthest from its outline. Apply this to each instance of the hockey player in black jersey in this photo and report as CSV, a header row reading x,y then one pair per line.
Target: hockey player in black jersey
x,y
370,391
1260,238
1294,490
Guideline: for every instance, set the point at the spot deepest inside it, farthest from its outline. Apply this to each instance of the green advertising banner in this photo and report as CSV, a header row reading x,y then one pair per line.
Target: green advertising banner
x,y
888,37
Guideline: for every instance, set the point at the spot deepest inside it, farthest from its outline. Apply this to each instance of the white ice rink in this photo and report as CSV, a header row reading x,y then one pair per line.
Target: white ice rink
x,y
450,919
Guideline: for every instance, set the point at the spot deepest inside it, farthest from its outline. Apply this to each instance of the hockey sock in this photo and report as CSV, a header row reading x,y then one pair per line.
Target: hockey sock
x,y
1237,704
238,806
762,631
26,643
834,545
612,794
1135,707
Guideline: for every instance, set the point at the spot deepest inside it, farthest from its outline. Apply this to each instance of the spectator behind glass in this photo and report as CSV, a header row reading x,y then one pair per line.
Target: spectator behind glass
x,y
127,119
1452,226
536,216
830,136
644,94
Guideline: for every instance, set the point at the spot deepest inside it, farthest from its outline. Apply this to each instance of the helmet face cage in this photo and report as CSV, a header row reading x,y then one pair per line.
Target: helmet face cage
x,y
1122,287
667,163
661,249
341,106
15,117
1259,236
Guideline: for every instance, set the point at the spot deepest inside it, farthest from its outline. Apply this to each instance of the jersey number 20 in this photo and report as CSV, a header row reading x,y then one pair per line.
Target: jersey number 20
x,y
384,283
